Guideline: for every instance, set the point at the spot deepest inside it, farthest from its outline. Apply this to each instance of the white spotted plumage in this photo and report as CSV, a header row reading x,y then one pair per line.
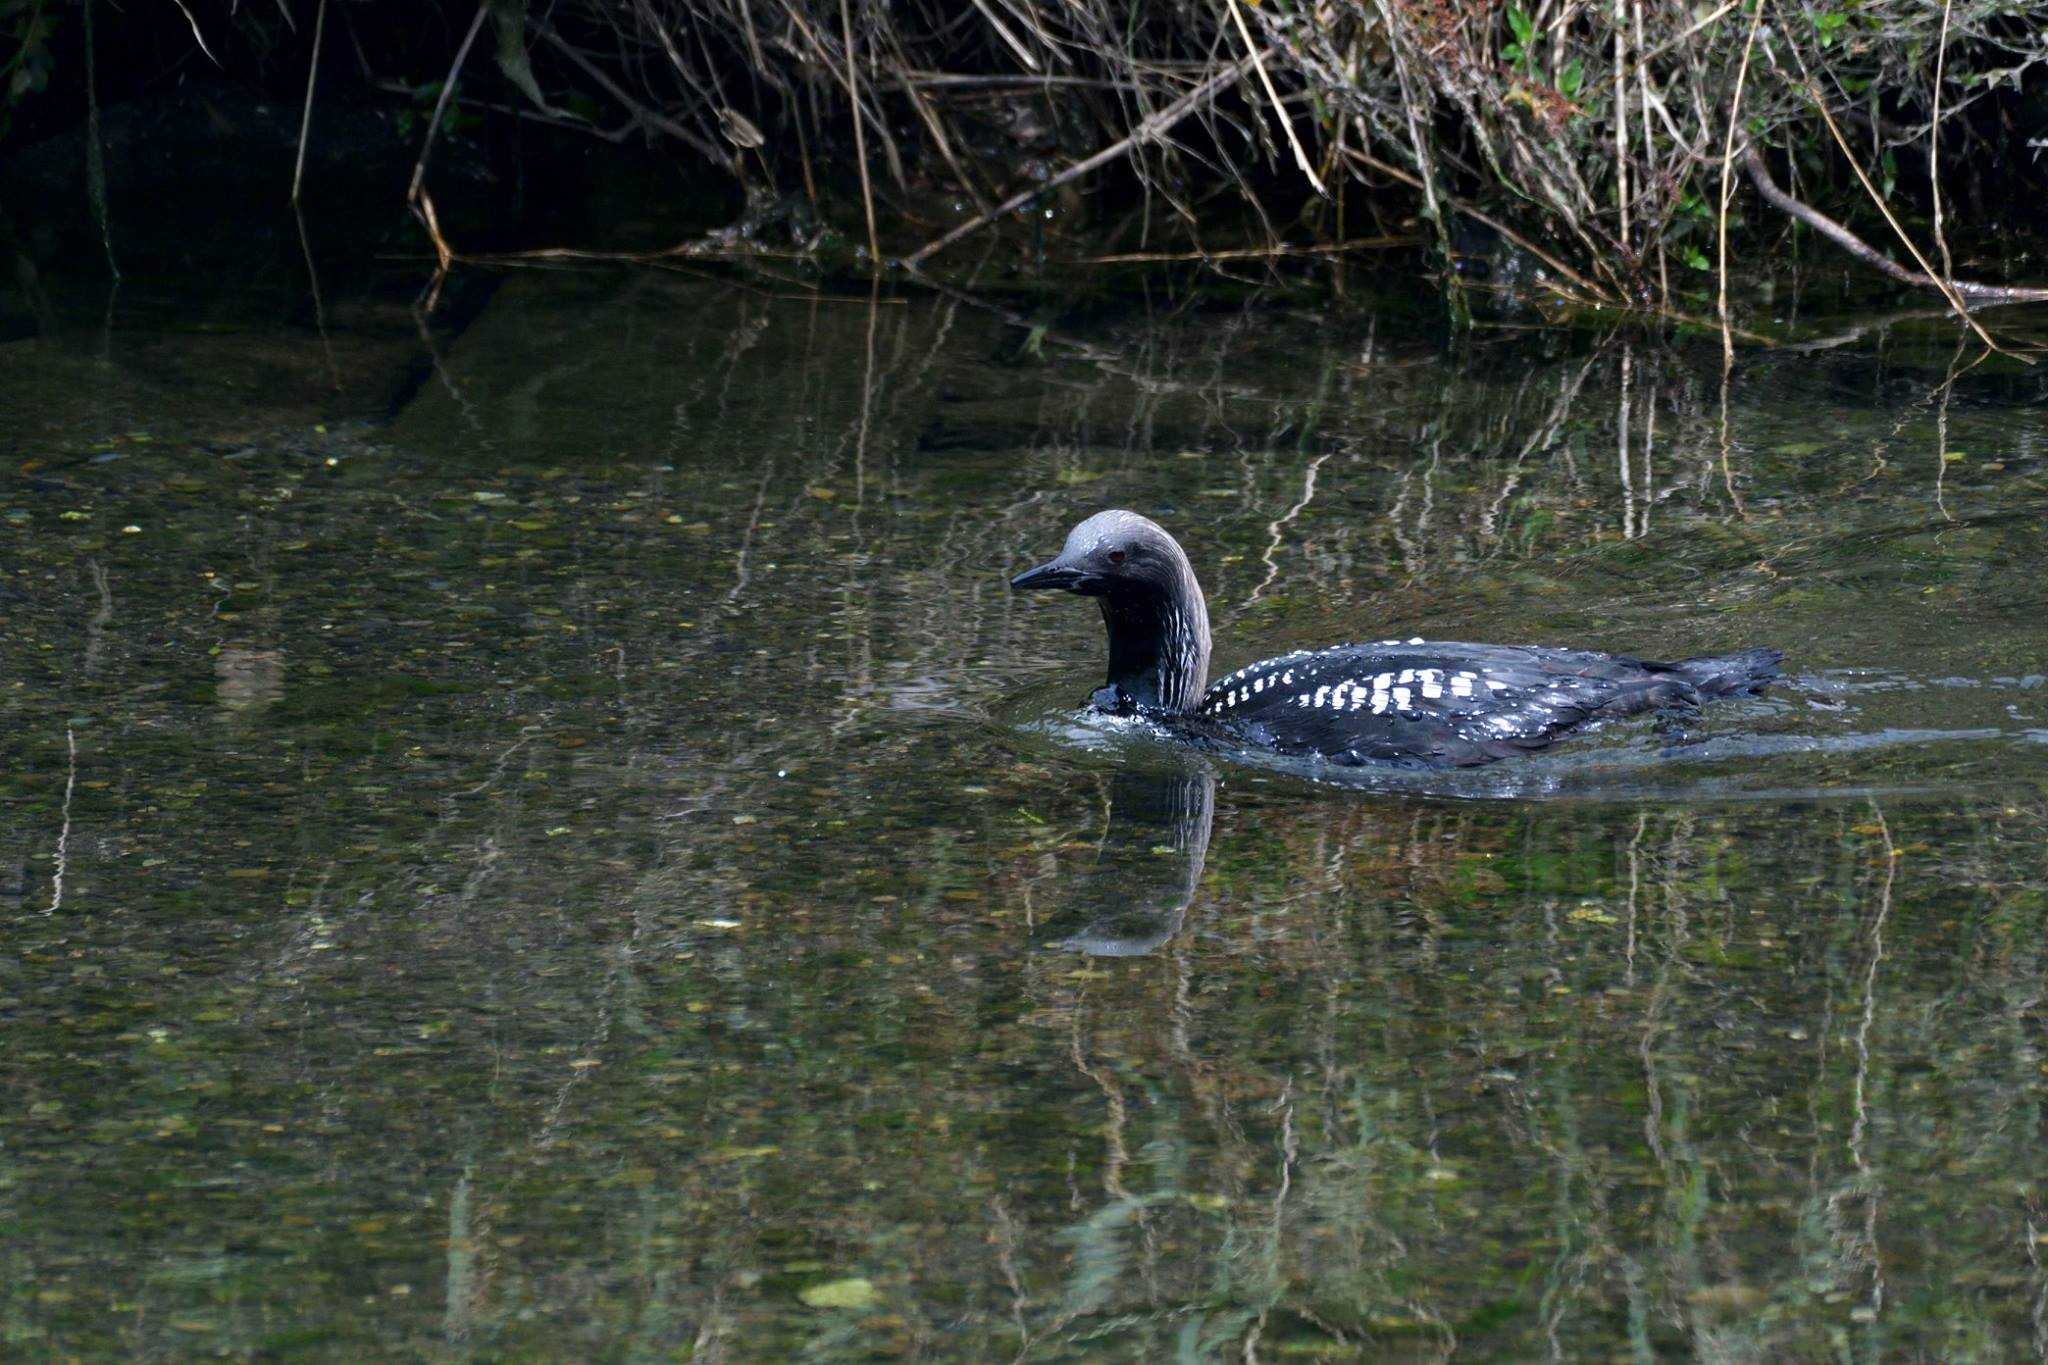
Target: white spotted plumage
x,y
1438,704
1477,702
1399,691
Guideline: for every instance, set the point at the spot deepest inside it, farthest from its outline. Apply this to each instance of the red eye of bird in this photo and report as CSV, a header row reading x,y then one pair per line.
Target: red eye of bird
x,y
1116,556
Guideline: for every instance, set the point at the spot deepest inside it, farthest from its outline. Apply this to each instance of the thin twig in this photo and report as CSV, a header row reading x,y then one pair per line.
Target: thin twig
x,y
1727,181
1948,265
1621,119
1760,176
197,36
306,119
416,193
639,111
96,150
1649,149
1952,289
1001,80
860,143
668,44
1643,58
1424,164
1279,109
1594,292
936,126
1024,54
1146,132
1249,253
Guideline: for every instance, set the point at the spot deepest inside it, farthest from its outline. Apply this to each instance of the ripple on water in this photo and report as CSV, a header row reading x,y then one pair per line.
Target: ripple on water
x,y
1761,748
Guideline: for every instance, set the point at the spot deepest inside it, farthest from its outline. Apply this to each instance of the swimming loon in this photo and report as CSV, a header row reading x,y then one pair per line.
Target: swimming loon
x,y
1415,702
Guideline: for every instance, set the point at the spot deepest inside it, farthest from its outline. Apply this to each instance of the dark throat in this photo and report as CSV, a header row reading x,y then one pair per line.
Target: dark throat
x,y
1155,656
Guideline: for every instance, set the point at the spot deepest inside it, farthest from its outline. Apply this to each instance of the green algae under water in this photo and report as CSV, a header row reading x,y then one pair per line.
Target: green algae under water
x,y
552,840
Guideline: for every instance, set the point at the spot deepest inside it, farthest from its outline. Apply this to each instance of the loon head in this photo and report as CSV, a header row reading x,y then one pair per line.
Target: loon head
x,y
1158,623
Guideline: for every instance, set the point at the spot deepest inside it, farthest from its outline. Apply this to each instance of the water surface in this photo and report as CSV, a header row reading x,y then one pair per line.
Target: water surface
x,y
541,833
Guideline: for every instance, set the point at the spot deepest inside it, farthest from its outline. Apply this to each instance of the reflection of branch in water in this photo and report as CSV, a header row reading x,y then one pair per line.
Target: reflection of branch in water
x,y
1859,330
462,403
1100,1258
1727,471
1635,886
1941,452
1628,482
588,1058
1005,1239
1397,527
313,271
1939,393
1541,439
458,1311
1860,1128
1956,370
740,571
64,831
96,627
1649,454
1653,1088
854,612
729,367
1290,1149
1425,516
1275,528
1108,361
2035,1237
1118,1155
867,400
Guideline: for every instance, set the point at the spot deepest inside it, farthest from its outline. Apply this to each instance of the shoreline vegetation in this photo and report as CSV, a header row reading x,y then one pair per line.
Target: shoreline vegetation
x,y
1609,154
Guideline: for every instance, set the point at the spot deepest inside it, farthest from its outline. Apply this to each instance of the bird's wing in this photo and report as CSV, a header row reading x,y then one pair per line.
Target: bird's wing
x,y
1434,702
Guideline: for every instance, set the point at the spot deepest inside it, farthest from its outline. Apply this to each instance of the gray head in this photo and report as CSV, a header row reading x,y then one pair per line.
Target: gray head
x,y
1158,623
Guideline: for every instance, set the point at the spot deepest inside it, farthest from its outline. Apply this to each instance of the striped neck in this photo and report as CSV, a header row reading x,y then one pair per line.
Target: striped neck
x,y
1159,642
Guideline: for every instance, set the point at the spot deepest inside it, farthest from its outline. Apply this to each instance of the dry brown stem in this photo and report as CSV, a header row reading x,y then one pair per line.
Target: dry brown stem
x,y
1279,109
1587,126
1949,288
306,118
1774,195
416,192
860,141
1250,253
1728,185
1151,129
1594,293
641,113
1948,265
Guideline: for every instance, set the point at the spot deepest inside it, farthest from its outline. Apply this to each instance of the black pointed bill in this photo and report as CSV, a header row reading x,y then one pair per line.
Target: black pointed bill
x,y
1053,574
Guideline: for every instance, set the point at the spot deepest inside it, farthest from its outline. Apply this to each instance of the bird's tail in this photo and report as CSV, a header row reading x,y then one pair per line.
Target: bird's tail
x,y
1730,675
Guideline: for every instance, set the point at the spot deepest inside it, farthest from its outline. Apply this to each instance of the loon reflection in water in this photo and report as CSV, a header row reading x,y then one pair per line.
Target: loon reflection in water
x,y
1147,867
1418,703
